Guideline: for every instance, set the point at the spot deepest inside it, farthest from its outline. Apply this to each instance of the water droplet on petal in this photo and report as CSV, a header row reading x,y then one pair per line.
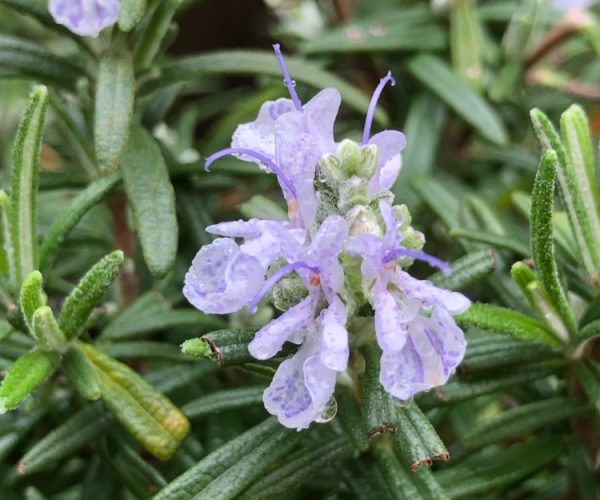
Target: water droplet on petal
x,y
329,412
405,402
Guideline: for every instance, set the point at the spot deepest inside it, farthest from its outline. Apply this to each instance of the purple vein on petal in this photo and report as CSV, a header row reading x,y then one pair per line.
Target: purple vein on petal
x,y
275,277
373,105
260,157
287,78
418,255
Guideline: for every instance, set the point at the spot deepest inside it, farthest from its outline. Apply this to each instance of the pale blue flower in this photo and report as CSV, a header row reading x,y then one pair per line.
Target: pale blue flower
x,y
413,319
85,17
421,344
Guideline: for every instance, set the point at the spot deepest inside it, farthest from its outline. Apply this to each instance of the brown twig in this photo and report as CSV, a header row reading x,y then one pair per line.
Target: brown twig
x,y
573,21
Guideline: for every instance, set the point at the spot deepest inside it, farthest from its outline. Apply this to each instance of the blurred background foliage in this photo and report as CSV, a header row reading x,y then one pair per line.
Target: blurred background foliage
x,y
467,74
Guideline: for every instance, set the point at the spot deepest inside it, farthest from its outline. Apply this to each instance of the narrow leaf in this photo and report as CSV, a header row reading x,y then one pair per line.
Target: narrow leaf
x,y
396,477
496,468
152,199
32,296
501,320
571,196
494,351
252,62
249,468
465,42
416,440
225,347
24,58
402,28
66,440
148,415
381,408
27,372
46,330
521,420
223,400
81,301
298,469
542,240
150,41
498,380
115,94
467,270
492,239
438,77
212,466
582,168
130,14
62,226
81,374
24,186
8,264
351,418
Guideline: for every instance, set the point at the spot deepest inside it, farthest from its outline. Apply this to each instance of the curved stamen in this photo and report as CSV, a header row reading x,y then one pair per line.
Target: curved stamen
x,y
289,83
418,255
257,156
275,277
373,105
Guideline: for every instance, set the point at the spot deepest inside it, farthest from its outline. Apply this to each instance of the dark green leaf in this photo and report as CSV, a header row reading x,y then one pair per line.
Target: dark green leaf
x,y
297,469
65,440
81,374
261,63
416,440
435,74
62,226
496,468
130,14
195,479
467,270
522,420
81,301
402,28
115,94
146,413
542,240
223,400
152,199
501,320
27,372
27,59
24,186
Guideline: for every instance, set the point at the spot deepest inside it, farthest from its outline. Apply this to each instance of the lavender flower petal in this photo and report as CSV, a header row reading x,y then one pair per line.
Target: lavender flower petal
x,y
85,17
390,144
429,295
325,248
269,340
297,154
432,352
259,135
334,351
390,319
222,278
321,112
300,389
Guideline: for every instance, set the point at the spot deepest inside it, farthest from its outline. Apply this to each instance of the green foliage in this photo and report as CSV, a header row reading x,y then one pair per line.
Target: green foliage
x,y
152,199
117,388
